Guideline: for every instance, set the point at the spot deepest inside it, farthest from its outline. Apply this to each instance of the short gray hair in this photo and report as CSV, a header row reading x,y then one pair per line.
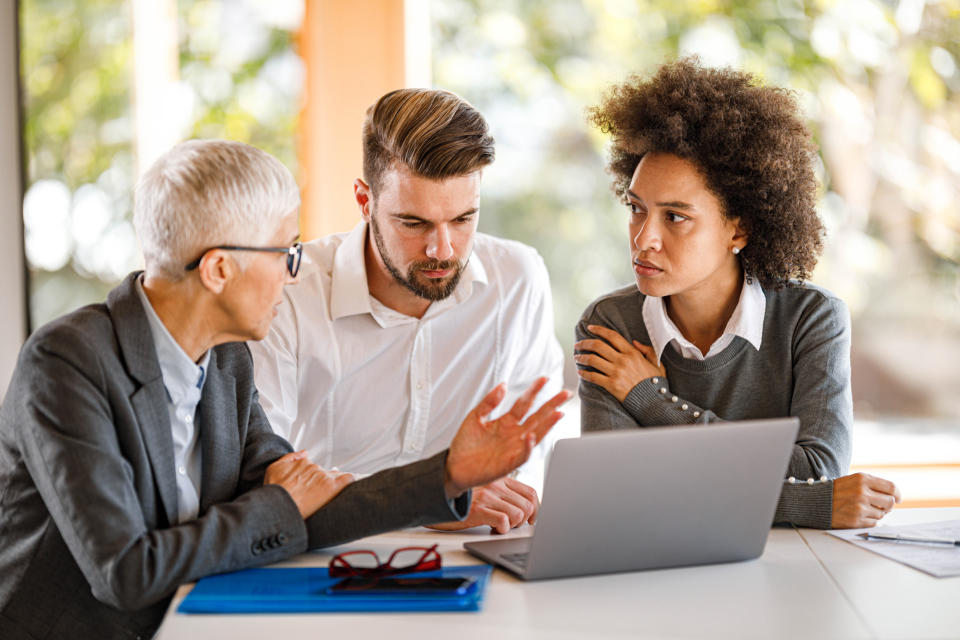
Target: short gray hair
x,y
204,193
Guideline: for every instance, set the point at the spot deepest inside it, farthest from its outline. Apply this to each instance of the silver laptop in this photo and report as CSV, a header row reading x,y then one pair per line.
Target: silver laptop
x,y
651,498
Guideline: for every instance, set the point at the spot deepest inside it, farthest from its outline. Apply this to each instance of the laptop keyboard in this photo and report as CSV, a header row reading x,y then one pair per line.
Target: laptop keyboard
x,y
519,559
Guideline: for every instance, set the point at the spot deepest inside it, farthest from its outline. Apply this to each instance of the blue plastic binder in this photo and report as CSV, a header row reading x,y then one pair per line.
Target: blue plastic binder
x,y
304,590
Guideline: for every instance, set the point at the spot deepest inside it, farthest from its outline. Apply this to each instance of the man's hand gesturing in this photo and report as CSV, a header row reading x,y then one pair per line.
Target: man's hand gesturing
x,y
483,450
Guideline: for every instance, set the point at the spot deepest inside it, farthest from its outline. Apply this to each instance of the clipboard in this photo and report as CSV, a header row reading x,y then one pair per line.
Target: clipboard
x,y
304,590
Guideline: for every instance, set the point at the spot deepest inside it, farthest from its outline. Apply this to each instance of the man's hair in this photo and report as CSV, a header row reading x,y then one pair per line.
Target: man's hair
x,y
748,141
435,134
204,193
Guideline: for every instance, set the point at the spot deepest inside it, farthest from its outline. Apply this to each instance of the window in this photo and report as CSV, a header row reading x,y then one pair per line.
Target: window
x,y
881,88
111,84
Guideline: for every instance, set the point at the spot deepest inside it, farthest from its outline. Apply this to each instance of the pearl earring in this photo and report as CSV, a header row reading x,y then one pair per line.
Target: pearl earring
x,y
736,250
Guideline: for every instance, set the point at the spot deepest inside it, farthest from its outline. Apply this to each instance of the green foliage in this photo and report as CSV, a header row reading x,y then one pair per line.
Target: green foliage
x,y
77,73
881,91
530,61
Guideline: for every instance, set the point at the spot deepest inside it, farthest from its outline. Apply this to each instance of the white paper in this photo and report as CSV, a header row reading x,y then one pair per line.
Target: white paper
x,y
939,560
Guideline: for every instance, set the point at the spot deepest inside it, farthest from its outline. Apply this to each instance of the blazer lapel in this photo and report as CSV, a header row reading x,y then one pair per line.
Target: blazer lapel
x,y
219,438
150,405
149,401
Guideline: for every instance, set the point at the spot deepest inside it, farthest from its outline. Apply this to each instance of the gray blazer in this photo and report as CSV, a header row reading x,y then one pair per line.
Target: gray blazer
x,y
88,548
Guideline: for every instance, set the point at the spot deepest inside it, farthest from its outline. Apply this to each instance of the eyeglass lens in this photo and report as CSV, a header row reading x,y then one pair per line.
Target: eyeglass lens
x,y
401,560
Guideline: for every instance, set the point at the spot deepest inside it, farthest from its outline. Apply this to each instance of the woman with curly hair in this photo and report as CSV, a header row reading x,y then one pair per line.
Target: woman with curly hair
x,y
717,175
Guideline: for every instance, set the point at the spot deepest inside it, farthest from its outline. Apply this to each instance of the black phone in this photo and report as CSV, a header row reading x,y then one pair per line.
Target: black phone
x,y
401,585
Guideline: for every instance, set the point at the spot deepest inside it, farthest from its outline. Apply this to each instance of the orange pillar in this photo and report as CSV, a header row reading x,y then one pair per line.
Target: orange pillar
x,y
353,52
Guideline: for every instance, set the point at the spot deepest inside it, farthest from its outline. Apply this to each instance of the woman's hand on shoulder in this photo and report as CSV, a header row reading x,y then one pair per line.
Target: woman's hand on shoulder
x,y
860,500
619,363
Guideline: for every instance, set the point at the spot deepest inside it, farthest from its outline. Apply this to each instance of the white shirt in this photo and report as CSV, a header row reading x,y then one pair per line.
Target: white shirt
x,y
362,387
183,380
746,322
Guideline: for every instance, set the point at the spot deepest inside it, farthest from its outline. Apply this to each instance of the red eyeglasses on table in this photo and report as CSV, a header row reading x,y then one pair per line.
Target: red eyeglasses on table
x,y
367,563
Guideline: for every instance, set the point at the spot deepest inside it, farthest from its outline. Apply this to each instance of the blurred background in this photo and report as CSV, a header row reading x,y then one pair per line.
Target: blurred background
x,y
108,85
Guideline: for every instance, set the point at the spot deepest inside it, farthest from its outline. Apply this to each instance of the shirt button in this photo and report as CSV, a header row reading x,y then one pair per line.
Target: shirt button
x,y
187,418
182,470
419,385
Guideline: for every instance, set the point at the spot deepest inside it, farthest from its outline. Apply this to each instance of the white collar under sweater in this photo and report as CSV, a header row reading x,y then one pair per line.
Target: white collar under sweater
x,y
746,322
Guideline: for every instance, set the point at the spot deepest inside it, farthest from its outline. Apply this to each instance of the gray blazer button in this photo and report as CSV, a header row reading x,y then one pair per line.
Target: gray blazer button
x,y
282,538
256,549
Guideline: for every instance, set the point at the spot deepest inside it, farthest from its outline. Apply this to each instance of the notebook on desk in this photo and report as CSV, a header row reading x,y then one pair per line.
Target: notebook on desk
x,y
653,498
307,590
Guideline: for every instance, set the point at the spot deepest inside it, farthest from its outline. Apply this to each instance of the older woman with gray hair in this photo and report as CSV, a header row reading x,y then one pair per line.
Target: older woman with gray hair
x,y
134,455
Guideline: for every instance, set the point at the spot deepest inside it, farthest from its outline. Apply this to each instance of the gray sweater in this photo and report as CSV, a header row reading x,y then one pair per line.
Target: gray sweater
x,y
802,369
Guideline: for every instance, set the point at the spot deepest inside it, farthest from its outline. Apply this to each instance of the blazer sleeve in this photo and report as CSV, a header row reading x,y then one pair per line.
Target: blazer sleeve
x,y
64,425
397,498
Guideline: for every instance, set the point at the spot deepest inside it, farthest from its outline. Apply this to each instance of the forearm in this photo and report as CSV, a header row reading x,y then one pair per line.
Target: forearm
x,y
407,496
259,527
644,406
651,402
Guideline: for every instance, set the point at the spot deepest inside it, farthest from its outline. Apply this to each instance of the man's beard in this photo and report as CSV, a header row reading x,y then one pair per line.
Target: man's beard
x,y
431,289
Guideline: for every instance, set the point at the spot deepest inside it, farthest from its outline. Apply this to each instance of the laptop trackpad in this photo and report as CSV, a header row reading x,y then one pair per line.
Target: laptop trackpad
x,y
511,552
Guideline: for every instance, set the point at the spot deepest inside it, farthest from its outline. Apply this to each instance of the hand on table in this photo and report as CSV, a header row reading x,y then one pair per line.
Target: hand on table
x,y
485,450
860,500
310,486
620,365
502,505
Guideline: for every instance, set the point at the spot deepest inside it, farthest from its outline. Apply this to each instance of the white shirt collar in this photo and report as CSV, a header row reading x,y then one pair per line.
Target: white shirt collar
x,y
746,322
350,291
419,376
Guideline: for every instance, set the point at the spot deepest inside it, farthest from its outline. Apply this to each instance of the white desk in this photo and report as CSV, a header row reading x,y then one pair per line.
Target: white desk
x,y
806,585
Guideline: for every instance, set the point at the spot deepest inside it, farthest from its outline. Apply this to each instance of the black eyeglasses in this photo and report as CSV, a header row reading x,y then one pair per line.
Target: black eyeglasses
x,y
294,254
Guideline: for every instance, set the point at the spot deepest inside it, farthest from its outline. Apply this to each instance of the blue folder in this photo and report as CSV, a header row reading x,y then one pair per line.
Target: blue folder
x,y
304,590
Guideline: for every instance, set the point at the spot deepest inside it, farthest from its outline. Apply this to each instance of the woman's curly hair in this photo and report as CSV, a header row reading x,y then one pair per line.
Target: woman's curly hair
x,y
747,140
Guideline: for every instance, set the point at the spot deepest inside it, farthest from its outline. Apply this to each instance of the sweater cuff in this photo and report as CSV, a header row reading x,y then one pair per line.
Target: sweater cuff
x,y
806,505
651,403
